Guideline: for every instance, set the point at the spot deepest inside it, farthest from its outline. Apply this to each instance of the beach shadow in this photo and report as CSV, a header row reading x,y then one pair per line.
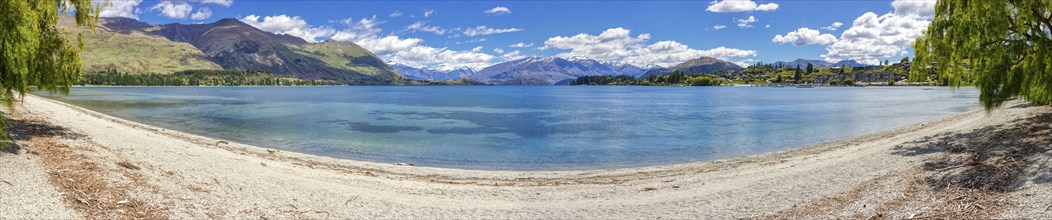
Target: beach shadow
x,y
19,130
996,158
1021,105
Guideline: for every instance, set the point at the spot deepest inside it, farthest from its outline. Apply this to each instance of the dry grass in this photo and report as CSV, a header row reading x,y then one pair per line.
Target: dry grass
x,y
82,182
971,172
829,205
965,175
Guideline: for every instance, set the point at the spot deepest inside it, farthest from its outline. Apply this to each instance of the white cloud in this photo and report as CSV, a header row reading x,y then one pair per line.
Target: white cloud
x,y
767,26
366,33
920,8
226,3
498,50
618,45
387,44
746,23
363,29
419,56
872,38
408,51
483,30
514,55
499,10
396,14
834,26
119,8
805,36
473,40
726,6
291,25
173,9
719,26
521,45
429,12
612,44
422,26
201,14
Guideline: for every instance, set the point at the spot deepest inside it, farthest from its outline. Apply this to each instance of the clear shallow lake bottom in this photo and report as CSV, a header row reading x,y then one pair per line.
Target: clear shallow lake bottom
x,y
526,128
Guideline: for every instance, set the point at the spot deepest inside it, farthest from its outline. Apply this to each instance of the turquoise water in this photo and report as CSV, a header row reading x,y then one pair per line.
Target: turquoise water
x,y
526,128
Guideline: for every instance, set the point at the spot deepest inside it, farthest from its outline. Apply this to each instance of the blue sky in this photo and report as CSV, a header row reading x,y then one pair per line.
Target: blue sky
x,y
480,33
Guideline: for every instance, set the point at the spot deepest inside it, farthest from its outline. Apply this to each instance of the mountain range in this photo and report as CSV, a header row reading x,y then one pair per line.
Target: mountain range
x,y
132,46
696,65
437,74
549,70
819,63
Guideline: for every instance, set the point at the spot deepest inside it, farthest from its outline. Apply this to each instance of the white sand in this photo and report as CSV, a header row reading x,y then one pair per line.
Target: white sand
x,y
190,176
25,191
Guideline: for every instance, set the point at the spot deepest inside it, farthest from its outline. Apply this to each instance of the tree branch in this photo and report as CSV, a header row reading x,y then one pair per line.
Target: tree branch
x,y
1044,20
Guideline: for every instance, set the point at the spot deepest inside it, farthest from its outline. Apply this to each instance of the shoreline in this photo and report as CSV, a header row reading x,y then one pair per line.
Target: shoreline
x,y
259,150
378,157
191,176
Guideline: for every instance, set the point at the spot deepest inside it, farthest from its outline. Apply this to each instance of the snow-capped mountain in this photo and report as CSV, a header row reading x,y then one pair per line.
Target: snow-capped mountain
x,y
438,73
550,70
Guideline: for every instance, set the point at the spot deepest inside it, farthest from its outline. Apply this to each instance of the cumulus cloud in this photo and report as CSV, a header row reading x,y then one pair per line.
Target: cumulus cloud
x,y
618,45
747,22
920,8
483,30
362,29
366,32
396,14
173,9
514,55
429,12
499,10
425,56
422,26
291,25
804,36
872,37
120,8
408,51
498,50
521,45
201,14
834,26
719,26
727,6
226,3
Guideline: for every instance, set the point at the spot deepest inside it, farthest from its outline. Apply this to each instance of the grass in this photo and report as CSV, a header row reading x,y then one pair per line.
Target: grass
x,y
85,184
138,53
340,55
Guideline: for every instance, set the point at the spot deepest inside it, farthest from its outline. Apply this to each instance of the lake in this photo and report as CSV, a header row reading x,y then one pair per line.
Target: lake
x,y
526,128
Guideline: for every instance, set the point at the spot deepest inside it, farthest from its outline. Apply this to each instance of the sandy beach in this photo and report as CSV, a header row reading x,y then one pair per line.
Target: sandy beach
x,y
68,162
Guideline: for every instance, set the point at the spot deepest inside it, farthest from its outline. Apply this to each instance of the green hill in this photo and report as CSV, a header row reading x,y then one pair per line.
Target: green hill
x,y
137,53
135,47
697,65
345,55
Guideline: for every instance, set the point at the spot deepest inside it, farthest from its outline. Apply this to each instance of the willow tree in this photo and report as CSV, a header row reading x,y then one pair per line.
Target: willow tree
x,y
36,54
1004,47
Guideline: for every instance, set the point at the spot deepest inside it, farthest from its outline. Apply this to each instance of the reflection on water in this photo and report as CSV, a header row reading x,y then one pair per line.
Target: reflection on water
x,y
526,128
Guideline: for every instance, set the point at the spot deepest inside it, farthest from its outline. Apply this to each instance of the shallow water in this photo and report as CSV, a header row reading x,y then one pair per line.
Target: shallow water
x,y
526,128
